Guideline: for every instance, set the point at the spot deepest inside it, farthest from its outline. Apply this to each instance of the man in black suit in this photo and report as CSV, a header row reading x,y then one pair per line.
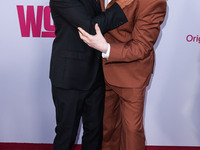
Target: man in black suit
x,y
76,70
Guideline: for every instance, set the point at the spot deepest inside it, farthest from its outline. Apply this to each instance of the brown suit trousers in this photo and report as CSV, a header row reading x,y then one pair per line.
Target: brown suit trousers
x,y
123,119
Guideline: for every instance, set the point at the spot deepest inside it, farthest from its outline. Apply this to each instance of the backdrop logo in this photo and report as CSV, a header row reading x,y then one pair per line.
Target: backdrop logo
x,y
191,38
33,21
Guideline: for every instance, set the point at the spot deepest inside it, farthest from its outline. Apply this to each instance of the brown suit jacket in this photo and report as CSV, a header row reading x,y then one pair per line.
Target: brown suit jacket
x,y
131,59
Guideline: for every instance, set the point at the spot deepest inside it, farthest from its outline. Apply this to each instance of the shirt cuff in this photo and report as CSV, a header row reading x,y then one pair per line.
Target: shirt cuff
x,y
107,54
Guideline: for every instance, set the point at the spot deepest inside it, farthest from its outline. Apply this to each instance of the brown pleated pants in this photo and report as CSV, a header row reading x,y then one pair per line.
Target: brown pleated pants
x,y
123,119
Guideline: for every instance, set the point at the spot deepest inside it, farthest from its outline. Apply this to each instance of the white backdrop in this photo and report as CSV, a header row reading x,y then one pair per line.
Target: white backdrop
x,y
26,107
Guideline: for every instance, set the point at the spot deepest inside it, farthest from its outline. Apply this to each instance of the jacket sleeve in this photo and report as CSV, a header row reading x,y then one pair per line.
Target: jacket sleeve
x,y
144,35
74,12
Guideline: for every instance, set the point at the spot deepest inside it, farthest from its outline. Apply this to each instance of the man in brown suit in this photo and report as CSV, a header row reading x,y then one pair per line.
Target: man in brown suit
x,y
128,65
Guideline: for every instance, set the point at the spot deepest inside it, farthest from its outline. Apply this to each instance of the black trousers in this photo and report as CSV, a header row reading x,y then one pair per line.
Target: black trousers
x,y
70,106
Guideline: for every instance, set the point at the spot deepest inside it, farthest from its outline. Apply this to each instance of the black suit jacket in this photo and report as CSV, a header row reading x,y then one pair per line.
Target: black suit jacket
x,y
74,65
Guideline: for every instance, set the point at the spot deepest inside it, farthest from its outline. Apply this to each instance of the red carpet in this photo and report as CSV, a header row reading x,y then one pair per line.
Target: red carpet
x,y
31,146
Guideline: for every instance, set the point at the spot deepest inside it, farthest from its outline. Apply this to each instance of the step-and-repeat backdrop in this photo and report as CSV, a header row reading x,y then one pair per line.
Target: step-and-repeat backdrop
x,y
26,109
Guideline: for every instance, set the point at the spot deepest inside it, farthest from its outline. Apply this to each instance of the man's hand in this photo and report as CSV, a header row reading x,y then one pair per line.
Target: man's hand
x,y
97,41
123,3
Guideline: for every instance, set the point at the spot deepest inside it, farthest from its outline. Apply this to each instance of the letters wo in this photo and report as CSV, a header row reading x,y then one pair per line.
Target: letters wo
x,y
33,23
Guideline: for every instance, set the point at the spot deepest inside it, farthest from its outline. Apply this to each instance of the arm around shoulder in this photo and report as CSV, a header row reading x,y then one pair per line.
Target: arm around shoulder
x,y
74,12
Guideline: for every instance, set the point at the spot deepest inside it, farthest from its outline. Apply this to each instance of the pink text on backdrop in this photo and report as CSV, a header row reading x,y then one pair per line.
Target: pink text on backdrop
x,y
34,23
191,38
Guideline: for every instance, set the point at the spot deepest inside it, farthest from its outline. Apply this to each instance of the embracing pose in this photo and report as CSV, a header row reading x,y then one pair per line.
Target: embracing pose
x,y
76,73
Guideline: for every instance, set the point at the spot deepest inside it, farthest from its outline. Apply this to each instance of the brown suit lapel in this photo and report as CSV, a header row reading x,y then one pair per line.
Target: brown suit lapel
x,y
102,5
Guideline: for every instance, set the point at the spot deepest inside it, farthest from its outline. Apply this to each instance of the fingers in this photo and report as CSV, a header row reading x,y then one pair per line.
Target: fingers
x,y
84,33
82,37
97,29
80,34
86,37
